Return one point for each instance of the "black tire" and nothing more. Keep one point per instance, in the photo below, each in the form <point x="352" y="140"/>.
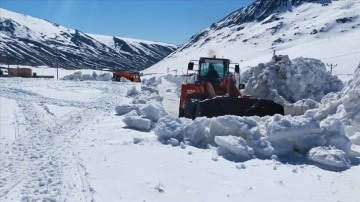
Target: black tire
<point x="191" y="103"/>
<point x="181" y="113"/>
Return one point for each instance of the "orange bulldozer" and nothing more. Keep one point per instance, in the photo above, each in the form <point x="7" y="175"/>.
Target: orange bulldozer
<point x="215" y="93"/>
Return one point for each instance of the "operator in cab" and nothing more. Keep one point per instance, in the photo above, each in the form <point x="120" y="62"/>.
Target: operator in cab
<point x="212" y="74"/>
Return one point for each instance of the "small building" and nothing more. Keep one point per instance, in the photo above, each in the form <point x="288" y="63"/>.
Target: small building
<point x="21" y="72"/>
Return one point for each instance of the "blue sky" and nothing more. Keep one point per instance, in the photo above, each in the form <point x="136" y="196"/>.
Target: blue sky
<point x="172" y="21"/>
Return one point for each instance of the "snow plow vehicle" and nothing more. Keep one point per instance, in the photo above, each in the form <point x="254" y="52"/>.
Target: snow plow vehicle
<point x="215" y="93"/>
<point x="131" y="76"/>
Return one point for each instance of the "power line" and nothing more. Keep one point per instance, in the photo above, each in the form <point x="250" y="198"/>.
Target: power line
<point x="344" y="74"/>
<point x="341" y="55"/>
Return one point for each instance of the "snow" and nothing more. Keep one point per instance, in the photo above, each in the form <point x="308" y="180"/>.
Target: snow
<point x="235" y="146"/>
<point x="286" y="82"/>
<point x="332" y="157"/>
<point x="282" y="135"/>
<point x="41" y="30"/>
<point x="153" y="111"/>
<point x="168" y="127"/>
<point x="79" y="76"/>
<point x="126" y="108"/>
<point x="355" y="138"/>
<point x="106" y="145"/>
<point x="337" y="45"/>
<point x="109" y="41"/>
<point x="133" y="120"/>
<point x="8" y="118"/>
<point x="89" y="139"/>
<point x="37" y="28"/>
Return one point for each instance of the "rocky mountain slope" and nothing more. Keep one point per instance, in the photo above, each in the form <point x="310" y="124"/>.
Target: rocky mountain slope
<point x="31" y="41"/>
<point x="322" y="29"/>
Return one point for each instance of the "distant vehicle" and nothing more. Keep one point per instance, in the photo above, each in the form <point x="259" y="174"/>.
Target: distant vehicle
<point x="131" y="76"/>
<point x="3" y="73"/>
<point x="20" y="72"/>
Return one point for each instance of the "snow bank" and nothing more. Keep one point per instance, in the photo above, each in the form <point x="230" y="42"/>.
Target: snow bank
<point x="134" y="121"/>
<point x="168" y="127"/>
<point x="178" y="80"/>
<point x="79" y="76"/>
<point x="324" y="134"/>
<point x="153" y="81"/>
<point x="148" y="92"/>
<point x="330" y="157"/>
<point x="243" y="138"/>
<point x="344" y="106"/>
<point x="287" y="134"/>
<point x="132" y="91"/>
<point x="146" y="107"/>
<point x="232" y="146"/>
<point x="287" y="82"/>
<point x="355" y="139"/>
<point x="126" y="108"/>
<point x="153" y="111"/>
<point x="327" y="134"/>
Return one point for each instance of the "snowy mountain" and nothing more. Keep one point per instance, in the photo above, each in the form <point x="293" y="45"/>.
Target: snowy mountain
<point x="321" y="29"/>
<point x="27" y="40"/>
<point x="97" y="140"/>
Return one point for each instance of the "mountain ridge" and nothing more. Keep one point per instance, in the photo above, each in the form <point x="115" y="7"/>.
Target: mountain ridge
<point x="32" y="41"/>
<point x="317" y="29"/>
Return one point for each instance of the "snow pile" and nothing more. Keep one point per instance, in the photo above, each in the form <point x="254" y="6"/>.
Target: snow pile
<point x="146" y="108"/>
<point x="153" y="81"/>
<point x="133" y="120"/>
<point x="178" y="80"/>
<point x="168" y="127"/>
<point x="344" y="106"/>
<point x="148" y="92"/>
<point x="243" y="138"/>
<point x="234" y="146"/>
<point x="286" y="81"/>
<point x="330" y="156"/>
<point x="79" y="76"/>
<point x="153" y="111"/>
<point x="142" y="116"/>
<point x="325" y="136"/>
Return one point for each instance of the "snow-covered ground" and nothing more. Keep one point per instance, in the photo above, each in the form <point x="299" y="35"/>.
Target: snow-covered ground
<point x="64" y="140"/>
<point x="85" y="138"/>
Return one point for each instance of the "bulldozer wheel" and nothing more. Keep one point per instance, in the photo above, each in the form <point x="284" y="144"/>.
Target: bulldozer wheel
<point x="191" y="104"/>
<point x="181" y="113"/>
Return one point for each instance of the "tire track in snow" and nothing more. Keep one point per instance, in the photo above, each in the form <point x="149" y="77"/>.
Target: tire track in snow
<point x="40" y="158"/>
<point x="42" y="165"/>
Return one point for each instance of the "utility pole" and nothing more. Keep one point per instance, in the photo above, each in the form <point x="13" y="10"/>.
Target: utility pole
<point x="8" y="60"/>
<point x="331" y="67"/>
<point x="57" y="65"/>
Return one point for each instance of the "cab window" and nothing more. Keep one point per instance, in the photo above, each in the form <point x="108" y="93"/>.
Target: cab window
<point x="204" y="69"/>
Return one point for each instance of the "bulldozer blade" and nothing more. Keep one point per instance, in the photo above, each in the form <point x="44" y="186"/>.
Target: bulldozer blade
<point x="221" y="106"/>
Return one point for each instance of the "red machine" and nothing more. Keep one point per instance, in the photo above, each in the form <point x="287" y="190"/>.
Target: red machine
<point x="215" y="93"/>
<point x="132" y="76"/>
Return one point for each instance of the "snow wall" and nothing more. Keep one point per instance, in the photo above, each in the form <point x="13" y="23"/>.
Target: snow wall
<point x="327" y="135"/>
<point x="79" y="76"/>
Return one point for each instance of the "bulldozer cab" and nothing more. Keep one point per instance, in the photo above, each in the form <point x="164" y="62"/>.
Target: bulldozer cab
<point x="208" y="67"/>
